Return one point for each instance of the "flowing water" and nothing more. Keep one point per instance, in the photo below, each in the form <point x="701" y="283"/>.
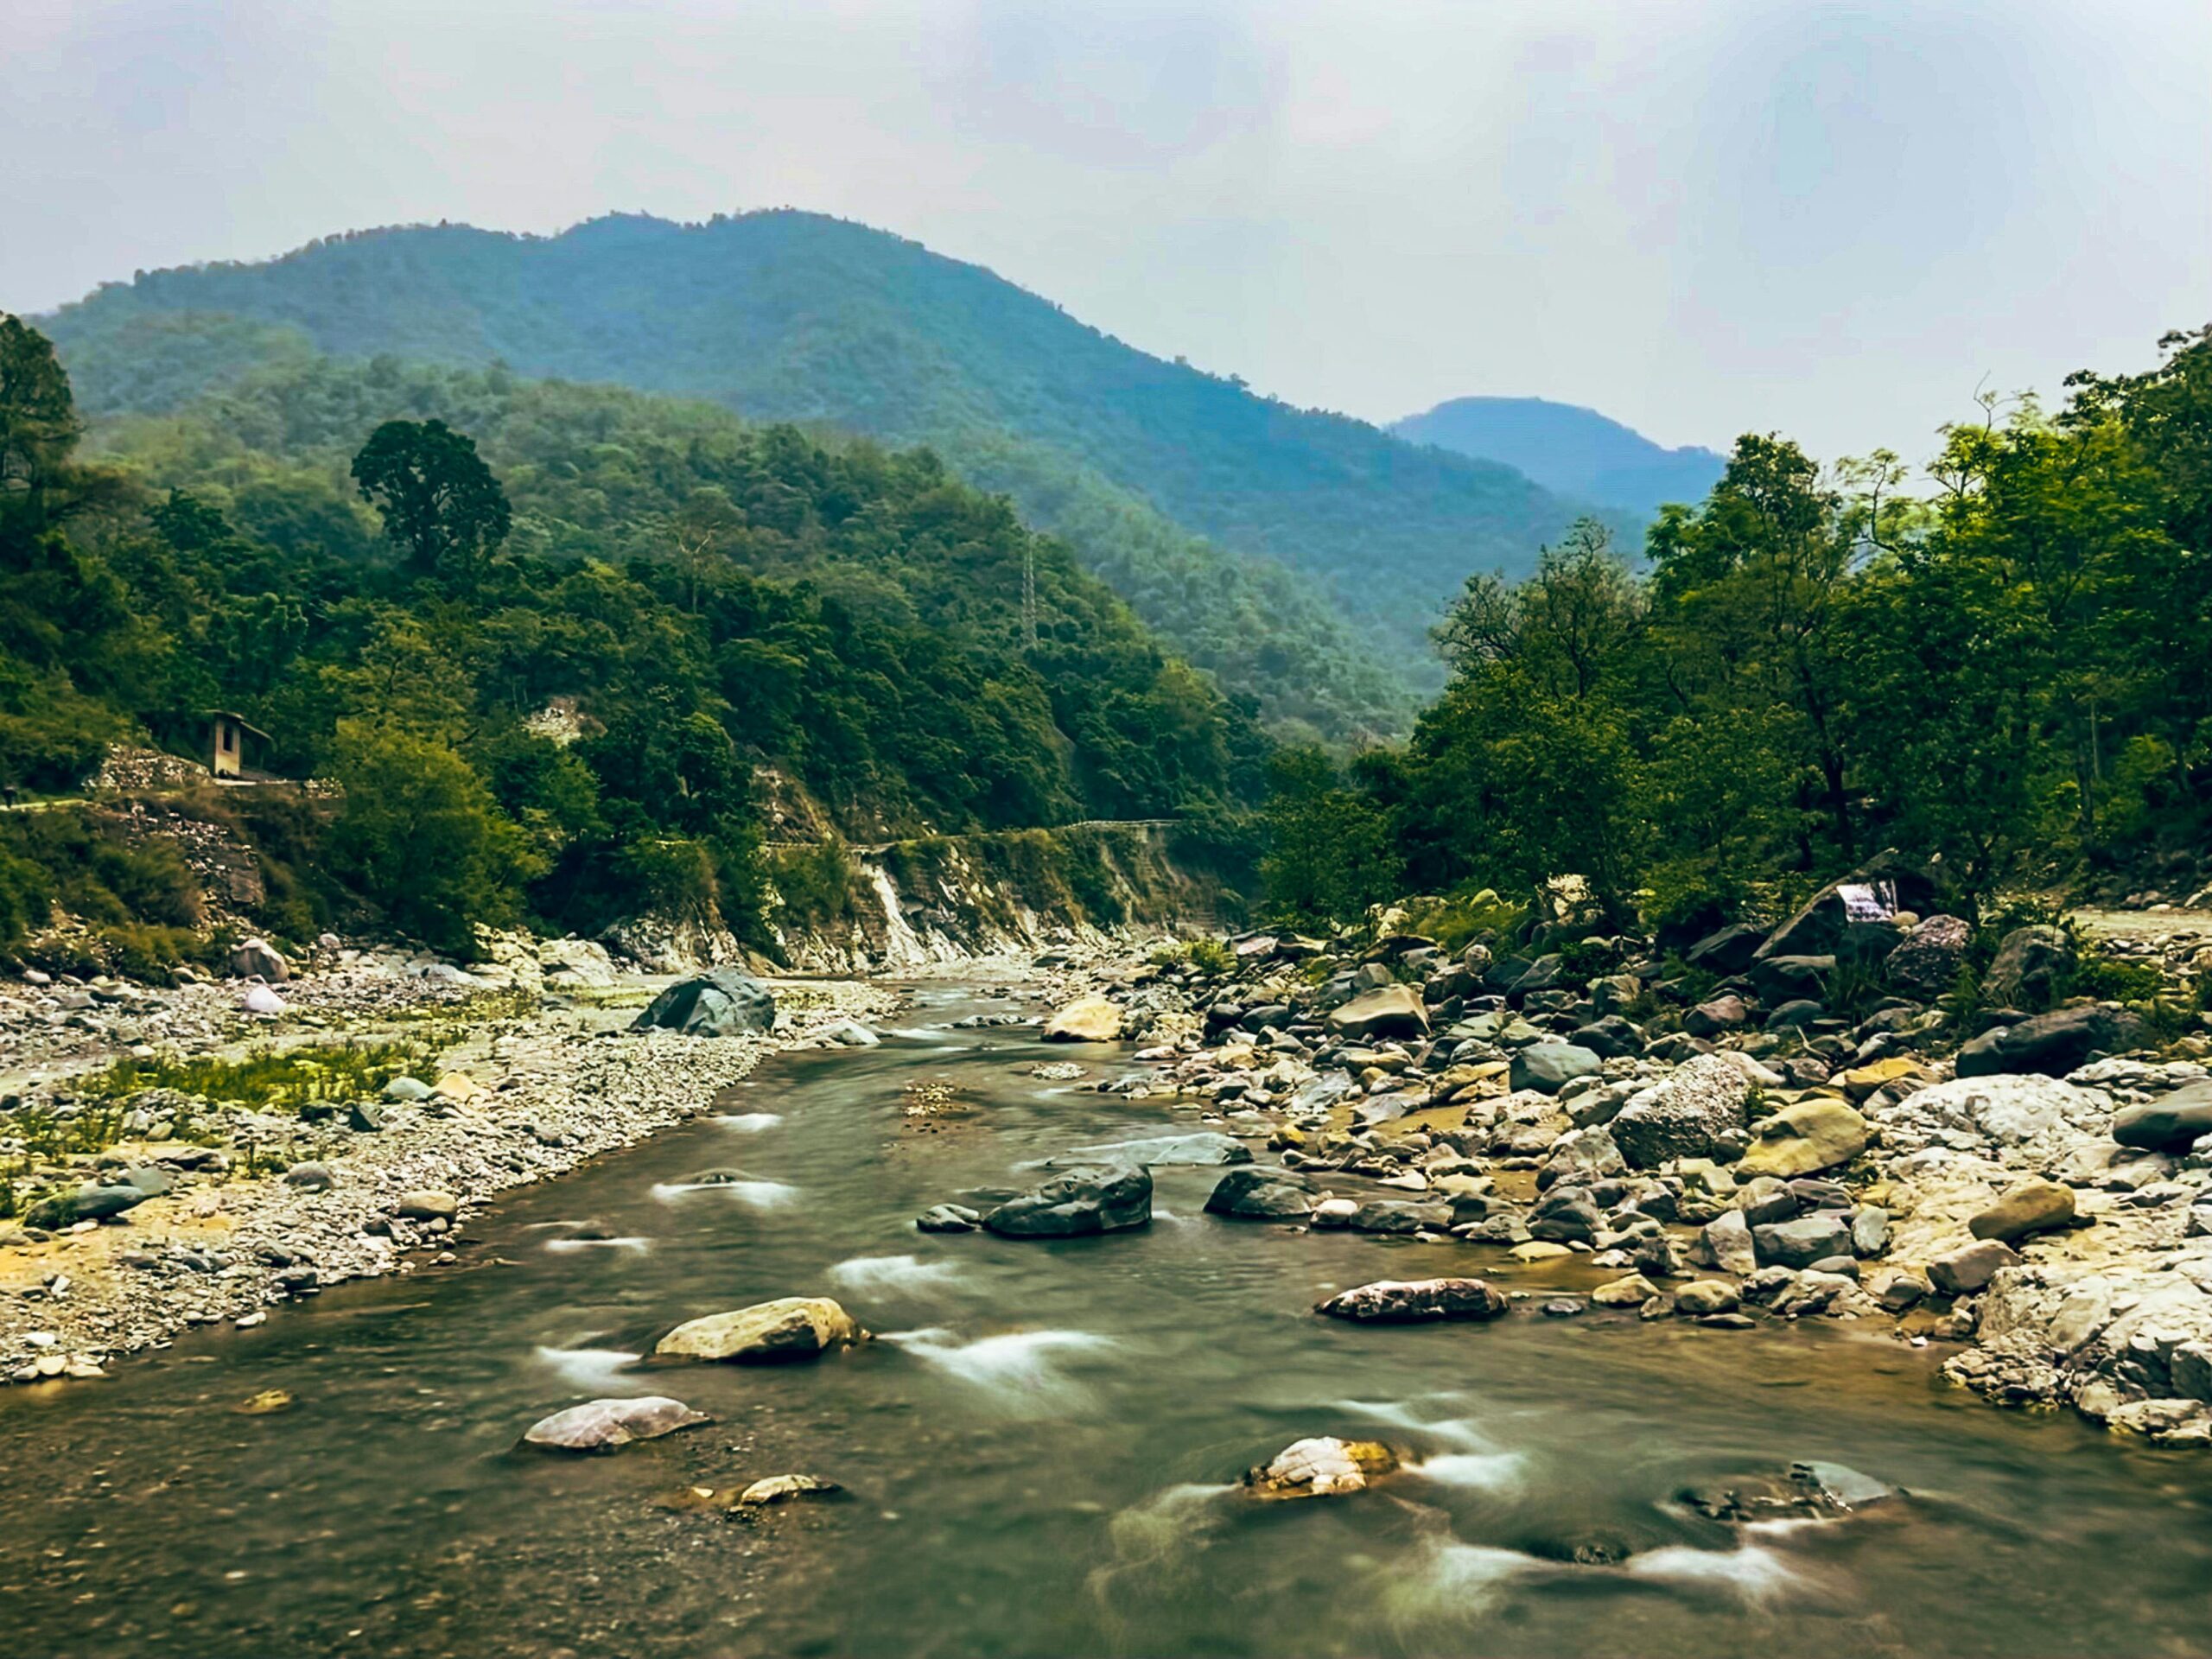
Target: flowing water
<point x="1040" y="1450"/>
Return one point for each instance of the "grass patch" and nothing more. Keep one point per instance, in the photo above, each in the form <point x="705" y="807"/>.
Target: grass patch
<point x="272" y="1080"/>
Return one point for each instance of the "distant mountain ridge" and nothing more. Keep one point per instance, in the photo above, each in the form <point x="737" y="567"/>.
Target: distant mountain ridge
<point x="1569" y="449"/>
<point x="1343" y="543"/>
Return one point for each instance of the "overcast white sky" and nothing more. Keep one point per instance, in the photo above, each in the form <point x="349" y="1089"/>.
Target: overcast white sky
<point x="1834" y="220"/>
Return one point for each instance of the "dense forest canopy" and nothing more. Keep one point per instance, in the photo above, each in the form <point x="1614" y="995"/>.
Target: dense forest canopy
<point x="391" y="568"/>
<point x="2007" y="665"/>
<point x="1329" y="546"/>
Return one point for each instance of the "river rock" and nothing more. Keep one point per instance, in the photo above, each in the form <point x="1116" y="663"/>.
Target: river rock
<point x="1703" y="1296"/>
<point x="1580" y="1157"/>
<point x="1727" y="1242"/>
<point x="1696" y="1113"/>
<point x="1549" y="1067"/>
<point x="1399" y="1215"/>
<point x="407" y="1089"/>
<point x="1926" y="961"/>
<point x="1086" y="1020"/>
<point x="259" y="998"/>
<point x="1197" y="1149"/>
<point x="1813" y="1134"/>
<point x="1333" y="1214"/>
<point x="2172" y="1123"/>
<point x="89" y="1202"/>
<point x="949" y="1219"/>
<point x="609" y="1425"/>
<point x="790" y="1327"/>
<point x="1106" y="1199"/>
<point x="257" y="958"/>
<point x="780" y="1488"/>
<point x="1387" y="1011"/>
<point x="1802" y="1243"/>
<point x="2052" y="1044"/>
<point x="1806" y="1490"/>
<point x="1261" y="1192"/>
<point x="1727" y="952"/>
<point x="2032" y="1207"/>
<point x="1971" y="1267"/>
<point x="2026" y="1118"/>
<point x="850" y="1034"/>
<point x="2031" y="968"/>
<point x="723" y="1003"/>
<point x="1407" y="1301"/>
<point x="1717" y="1017"/>
<point x="427" y="1204"/>
<point x="1633" y="1291"/>
<point x="1322" y="1467"/>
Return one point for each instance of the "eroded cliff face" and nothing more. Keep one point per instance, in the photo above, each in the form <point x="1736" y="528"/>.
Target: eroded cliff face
<point x="943" y="898"/>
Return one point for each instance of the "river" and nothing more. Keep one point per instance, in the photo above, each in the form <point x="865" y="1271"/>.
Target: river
<point x="1039" y="1448"/>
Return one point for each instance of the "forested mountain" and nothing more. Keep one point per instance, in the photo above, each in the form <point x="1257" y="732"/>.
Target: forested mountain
<point x="2000" y="664"/>
<point x="324" y="548"/>
<point x="1576" y="451"/>
<point x="791" y="316"/>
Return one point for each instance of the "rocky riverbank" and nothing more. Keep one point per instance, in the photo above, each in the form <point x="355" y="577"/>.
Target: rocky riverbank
<point x="163" y="1210"/>
<point x="1823" y="1120"/>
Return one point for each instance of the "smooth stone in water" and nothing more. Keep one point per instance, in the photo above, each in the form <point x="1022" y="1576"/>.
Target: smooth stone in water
<point x="1086" y="1020"/>
<point x="1261" y="1192"/>
<point x="609" y="1425"/>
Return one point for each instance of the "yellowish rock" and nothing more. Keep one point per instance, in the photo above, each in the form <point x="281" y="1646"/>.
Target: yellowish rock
<point x="1538" y="1249"/>
<point x="1862" y="1081"/>
<point x="790" y="1327"/>
<point x="1801" y="1140"/>
<point x="459" y="1088"/>
<point x="1632" y="1292"/>
<point x="1321" y="1467"/>
<point x="1086" y="1020"/>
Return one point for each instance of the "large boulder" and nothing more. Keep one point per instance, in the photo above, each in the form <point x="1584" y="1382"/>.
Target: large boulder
<point x="1717" y="1017"/>
<point x="1927" y="960"/>
<point x="1726" y="1243"/>
<point x="1696" y="1113"/>
<point x="1086" y="1020"/>
<point x="1971" y="1267"/>
<point x="2017" y="1119"/>
<point x="1321" y="1467"/>
<point x="1727" y="952"/>
<point x="257" y="958"/>
<point x="1261" y="1192"/>
<point x="1803" y="1139"/>
<point x="1406" y="1301"/>
<point x="1791" y="979"/>
<point x="91" y="1201"/>
<point x="723" y="1003"/>
<point x="1386" y="1011"/>
<point x="1850" y="917"/>
<point x="2052" y="1044"/>
<point x="609" y="1425"/>
<point x="2172" y="1122"/>
<point x="2031" y="968"/>
<point x="1111" y="1198"/>
<point x="1549" y="1067"/>
<point x="790" y="1327"/>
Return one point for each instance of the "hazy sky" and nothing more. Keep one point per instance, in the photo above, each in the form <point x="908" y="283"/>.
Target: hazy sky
<point x="1833" y="219"/>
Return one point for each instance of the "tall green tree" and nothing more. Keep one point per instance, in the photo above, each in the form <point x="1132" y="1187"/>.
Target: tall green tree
<point x="439" y="502"/>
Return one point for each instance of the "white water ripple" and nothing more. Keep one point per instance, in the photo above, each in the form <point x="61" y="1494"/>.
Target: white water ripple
<point x="761" y="1195"/>
<point x="749" y="1122"/>
<point x="884" y="1274"/>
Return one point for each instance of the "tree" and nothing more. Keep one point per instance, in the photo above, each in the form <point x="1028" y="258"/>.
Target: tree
<point x="439" y="502"/>
<point x="422" y="839"/>
<point x="39" y="428"/>
<point x="1328" y="853"/>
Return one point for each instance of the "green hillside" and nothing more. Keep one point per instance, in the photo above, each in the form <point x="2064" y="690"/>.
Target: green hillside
<point x="1566" y="447"/>
<point x="707" y="595"/>
<point x="791" y="316"/>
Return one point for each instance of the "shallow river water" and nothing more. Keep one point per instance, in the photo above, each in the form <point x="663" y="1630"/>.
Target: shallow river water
<point x="1039" y="1448"/>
